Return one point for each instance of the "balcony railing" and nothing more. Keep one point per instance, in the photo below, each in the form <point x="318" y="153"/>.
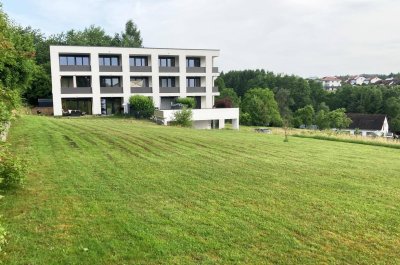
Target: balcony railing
<point x="195" y="89"/>
<point x="195" y="69"/>
<point x="215" y="89"/>
<point x="111" y="90"/>
<point x="141" y="90"/>
<point x="169" y="89"/>
<point x="76" y="90"/>
<point x="75" y="68"/>
<point x="215" y="70"/>
<point x="110" y="68"/>
<point x="172" y="69"/>
<point x="140" y="69"/>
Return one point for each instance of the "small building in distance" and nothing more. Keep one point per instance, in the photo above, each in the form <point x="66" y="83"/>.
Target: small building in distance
<point x="331" y="83"/>
<point x="368" y="124"/>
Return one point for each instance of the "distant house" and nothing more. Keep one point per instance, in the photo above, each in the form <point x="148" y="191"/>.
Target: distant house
<point x="374" y="80"/>
<point x="331" y="83"/>
<point x="356" y="80"/>
<point x="368" y="124"/>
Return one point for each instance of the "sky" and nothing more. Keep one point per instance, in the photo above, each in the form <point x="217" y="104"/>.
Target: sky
<point x="301" y="37"/>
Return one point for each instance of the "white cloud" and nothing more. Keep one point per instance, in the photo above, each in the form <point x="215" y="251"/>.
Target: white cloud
<point x="305" y="37"/>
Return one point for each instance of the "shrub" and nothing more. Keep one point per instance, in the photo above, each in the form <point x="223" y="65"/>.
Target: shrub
<point x="2" y="237"/>
<point x="188" y="102"/>
<point x="245" y="118"/>
<point x="223" y="103"/>
<point x="183" y="118"/>
<point x="141" y="107"/>
<point x="12" y="170"/>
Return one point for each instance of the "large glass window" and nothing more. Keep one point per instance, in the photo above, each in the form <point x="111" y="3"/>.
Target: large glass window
<point x="166" y="61"/>
<point x="109" y="60"/>
<point x="67" y="81"/>
<point x="193" y="82"/>
<point x="139" y="82"/>
<point x="167" y="81"/>
<point x="74" y="60"/>
<point x="83" y="81"/>
<point x="138" y="61"/>
<point x="110" y="81"/>
<point x="192" y="62"/>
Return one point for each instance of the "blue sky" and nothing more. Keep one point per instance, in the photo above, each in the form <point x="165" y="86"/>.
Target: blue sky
<point x="303" y="37"/>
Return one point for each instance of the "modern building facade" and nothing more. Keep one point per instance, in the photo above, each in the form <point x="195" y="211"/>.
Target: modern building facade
<point x="100" y="81"/>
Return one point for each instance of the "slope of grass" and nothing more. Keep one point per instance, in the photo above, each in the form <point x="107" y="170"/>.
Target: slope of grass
<point x="115" y="191"/>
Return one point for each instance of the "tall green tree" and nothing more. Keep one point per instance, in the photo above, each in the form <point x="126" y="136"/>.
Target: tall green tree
<point x="231" y="95"/>
<point x="131" y="37"/>
<point x="260" y="105"/>
<point x="304" y="116"/>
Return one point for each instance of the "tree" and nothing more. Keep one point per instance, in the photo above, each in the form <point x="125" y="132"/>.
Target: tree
<point x="392" y="107"/>
<point x="131" y="37"/>
<point x="322" y="119"/>
<point x="338" y="119"/>
<point x="284" y="102"/>
<point x="260" y="104"/>
<point x="394" y="124"/>
<point x="304" y="116"/>
<point x="231" y="95"/>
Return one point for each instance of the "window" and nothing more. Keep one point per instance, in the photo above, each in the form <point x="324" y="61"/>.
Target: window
<point x="109" y="60"/>
<point x="74" y="60"/>
<point x="166" y="61"/>
<point x="192" y="62"/>
<point x="167" y="81"/>
<point x="83" y="81"/>
<point x="193" y="82"/>
<point x="138" y="61"/>
<point x="110" y="81"/>
<point x="67" y="81"/>
<point x="139" y="82"/>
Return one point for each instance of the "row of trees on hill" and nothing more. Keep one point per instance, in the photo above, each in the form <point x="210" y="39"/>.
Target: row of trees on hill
<point x="292" y="94"/>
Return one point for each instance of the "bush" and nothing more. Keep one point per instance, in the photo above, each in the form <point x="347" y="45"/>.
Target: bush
<point x="245" y="118"/>
<point x="2" y="237"/>
<point x="188" y="102"/>
<point x="183" y="118"/>
<point x="223" y="103"/>
<point x="141" y="107"/>
<point x="12" y="170"/>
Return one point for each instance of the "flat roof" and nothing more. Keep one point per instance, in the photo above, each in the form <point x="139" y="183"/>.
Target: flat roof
<point x="153" y="48"/>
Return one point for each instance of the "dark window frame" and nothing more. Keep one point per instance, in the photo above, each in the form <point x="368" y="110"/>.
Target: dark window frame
<point x="169" y="81"/>
<point x="138" y="61"/>
<point x="193" y="82"/>
<point x="73" y="59"/>
<point x="166" y="61"/>
<point x="108" y="60"/>
<point x="196" y="62"/>
<point x="111" y="81"/>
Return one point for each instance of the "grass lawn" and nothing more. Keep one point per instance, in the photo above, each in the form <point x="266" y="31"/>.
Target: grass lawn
<point x="118" y="191"/>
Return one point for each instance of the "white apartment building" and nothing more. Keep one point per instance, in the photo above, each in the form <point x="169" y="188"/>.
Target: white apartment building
<point x="100" y="81"/>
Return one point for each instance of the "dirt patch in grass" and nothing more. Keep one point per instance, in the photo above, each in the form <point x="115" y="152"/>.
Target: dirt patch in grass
<point x="71" y="142"/>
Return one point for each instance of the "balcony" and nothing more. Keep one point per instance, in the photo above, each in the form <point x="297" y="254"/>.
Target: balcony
<point x="140" y="69"/>
<point x="215" y="89"/>
<point x="141" y="90"/>
<point x="195" y="89"/>
<point x="172" y="69"/>
<point x="215" y="70"/>
<point x="75" y="68"/>
<point x="76" y="90"/>
<point x="111" y="90"/>
<point x="169" y="89"/>
<point x="195" y="69"/>
<point x="110" y="68"/>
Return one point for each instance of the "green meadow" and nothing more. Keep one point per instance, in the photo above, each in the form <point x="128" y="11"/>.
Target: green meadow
<point x="121" y="191"/>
